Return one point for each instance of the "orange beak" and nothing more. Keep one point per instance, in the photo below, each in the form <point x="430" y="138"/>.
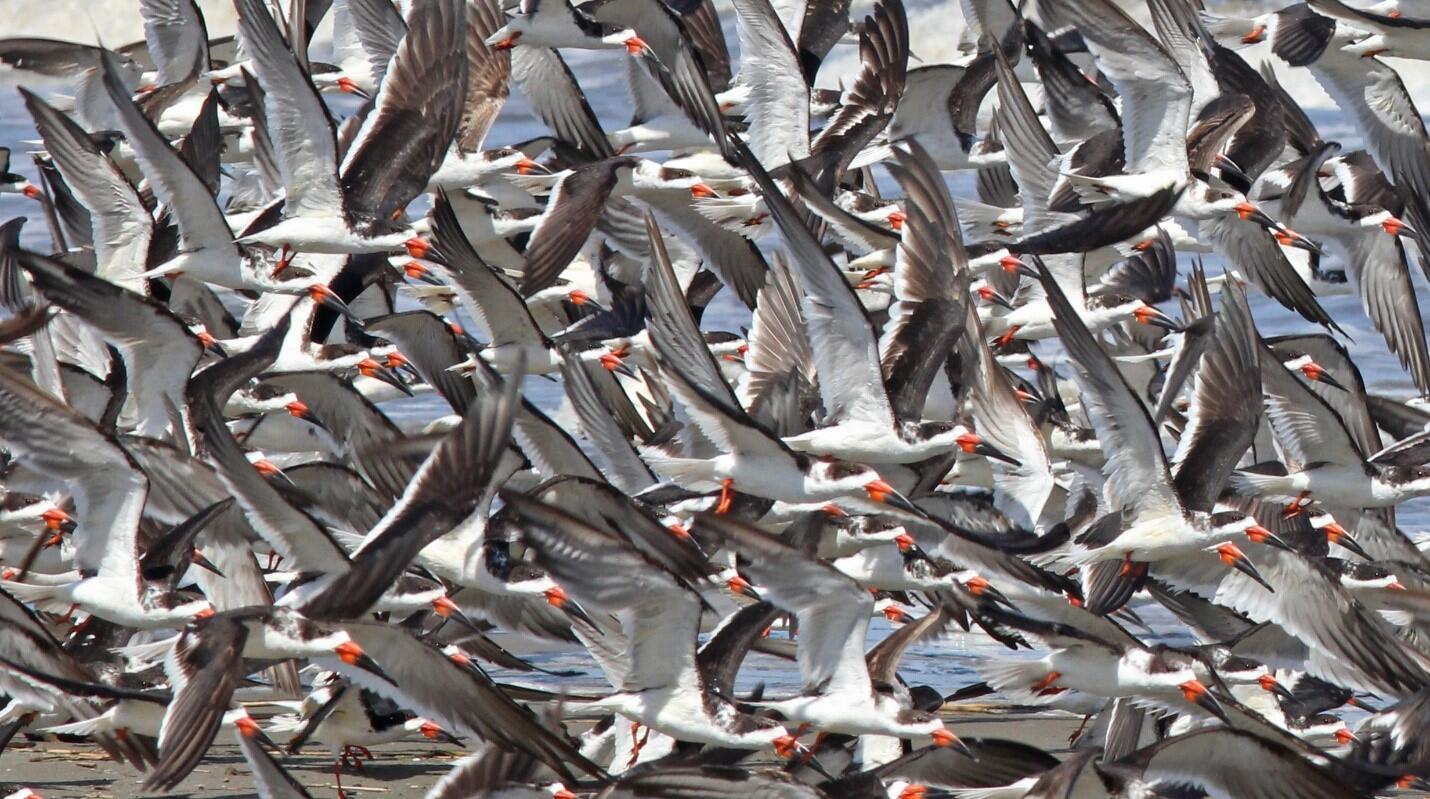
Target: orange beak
<point x="348" y="652"/>
<point x="526" y="166"/>
<point x="556" y="596"/>
<point x="1257" y="533"/>
<point x="968" y="442"/>
<point x="897" y="220"/>
<point x="55" y="518"/>
<point x="879" y="490"/>
<point x="894" y="613"/>
<point x="977" y="585"/>
<point x="297" y="408"/>
<point x="700" y="191"/>
<point x="319" y="293"/>
<point x="1256" y="35"/>
<point x="578" y="297"/>
<point x="738" y="584"/>
<point x="266" y="467"/>
<point x="1245" y="210"/>
<point x="414" y="270"/>
<point x="204" y="614"/>
<point x="367" y="367"/>
<point x="430" y="730"/>
<point x="786" y="746"/>
<point x="347" y="85"/>
<point x="1393" y="226"/>
<point x="679" y="531"/>
<point x="944" y="737"/>
<point x="914" y="791"/>
<point x="32" y="191"/>
<point x="1345" y="737"/>
<point x="1230" y="554"/>
<point x="507" y="43"/>
<point x="905" y="542"/>
<point x="444" y="606"/>
<point x="247" y="727"/>
<point x="416" y="247"/>
<point x="1193" y="690"/>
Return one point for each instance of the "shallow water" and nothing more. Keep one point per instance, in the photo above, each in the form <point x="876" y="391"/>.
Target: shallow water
<point x="945" y="663"/>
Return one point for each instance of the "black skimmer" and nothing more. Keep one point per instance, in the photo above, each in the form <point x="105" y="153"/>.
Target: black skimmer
<point x="557" y="23"/>
<point x="1326" y="461"/>
<point x="205" y="665"/>
<point x="348" y="720"/>
<point x="365" y="37"/>
<point x="15" y="183"/>
<point x="865" y="414"/>
<point x="31" y="652"/>
<point x="661" y="685"/>
<point x="838" y="694"/>
<point x="577" y="201"/>
<point x="1361" y="84"/>
<point x="349" y="206"/>
<point x="194" y="417"/>
<point x="110" y="491"/>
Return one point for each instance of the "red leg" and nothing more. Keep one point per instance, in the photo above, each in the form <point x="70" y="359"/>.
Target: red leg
<point x="637" y="744"/>
<point x="338" y="774"/>
<point x="1078" y="733"/>
<point x="727" y="497"/>
<point x="1297" y="506"/>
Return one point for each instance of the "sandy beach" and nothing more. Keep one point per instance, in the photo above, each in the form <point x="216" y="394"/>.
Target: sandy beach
<point x="401" y="770"/>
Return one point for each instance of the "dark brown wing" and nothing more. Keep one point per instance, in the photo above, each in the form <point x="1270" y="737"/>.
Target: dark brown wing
<point x="703" y="24"/>
<point x="488" y="75"/>
<point x="205" y="669"/>
<point x="445" y="490"/>
<point x="1219" y="120"/>
<point x="1226" y="406"/>
<point x="931" y="285"/>
<point x="571" y="215"/>
<point x="870" y="102"/>
<point x="418" y="109"/>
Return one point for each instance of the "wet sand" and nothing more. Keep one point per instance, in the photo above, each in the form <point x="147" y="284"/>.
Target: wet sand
<point x="403" y="770"/>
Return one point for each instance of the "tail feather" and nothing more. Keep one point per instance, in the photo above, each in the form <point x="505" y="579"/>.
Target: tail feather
<point x="694" y="474"/>
<point x="48" y="598"/>
<point x="1228" y="31"/>
<point x="1255" y="484"/>
<point x="1013" y="679"/>
<point x="82" y="727"/>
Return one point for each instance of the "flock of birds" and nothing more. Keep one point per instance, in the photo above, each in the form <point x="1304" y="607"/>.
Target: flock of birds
<point x="954" y="413"/>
